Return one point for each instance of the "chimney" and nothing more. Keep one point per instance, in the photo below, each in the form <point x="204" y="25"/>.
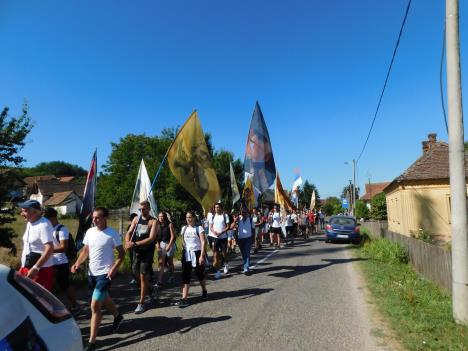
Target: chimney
<point x="425" y="148"/>
<point x="432" y="139"/>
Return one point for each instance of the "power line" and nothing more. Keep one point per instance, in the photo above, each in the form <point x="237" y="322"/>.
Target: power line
<point x="441" y="84"/>
<point x="386" y="80"/>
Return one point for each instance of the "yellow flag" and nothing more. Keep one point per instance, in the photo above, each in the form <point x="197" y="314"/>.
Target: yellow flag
<point x="248" y="195"/>
<point x="280" y="196"/>
<point x="190" y="162"/>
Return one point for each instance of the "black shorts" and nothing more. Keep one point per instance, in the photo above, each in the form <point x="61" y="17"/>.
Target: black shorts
<point x="210" y="241"/>
<point x="220" y="245"/>
<point x="187" y="269"/>
<point x="142" y="263"/>
<point x="62" y="275"/>
<point x="275" y="230"/>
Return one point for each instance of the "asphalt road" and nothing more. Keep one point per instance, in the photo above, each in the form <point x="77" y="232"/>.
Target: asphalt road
<point x="305" y="297"/>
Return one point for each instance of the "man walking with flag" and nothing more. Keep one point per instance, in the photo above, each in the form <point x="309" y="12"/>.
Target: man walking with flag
<point x="141" y="237"/>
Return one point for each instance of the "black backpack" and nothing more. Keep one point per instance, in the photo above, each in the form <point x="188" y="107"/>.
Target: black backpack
<point x="71" y="249"/>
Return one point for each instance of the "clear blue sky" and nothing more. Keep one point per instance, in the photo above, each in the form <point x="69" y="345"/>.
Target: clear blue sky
<point x="94" y="71"/>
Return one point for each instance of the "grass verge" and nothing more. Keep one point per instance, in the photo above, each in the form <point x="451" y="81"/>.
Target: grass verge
<point x="418" y="311"/>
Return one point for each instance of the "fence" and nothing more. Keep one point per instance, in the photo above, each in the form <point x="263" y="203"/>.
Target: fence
<point x="433" y="262"/>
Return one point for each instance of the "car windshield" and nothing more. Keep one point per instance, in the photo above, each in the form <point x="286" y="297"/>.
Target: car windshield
<point x="343" y="221"/>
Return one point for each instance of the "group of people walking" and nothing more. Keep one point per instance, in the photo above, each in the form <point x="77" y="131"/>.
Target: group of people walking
<point x="46" y="243"/>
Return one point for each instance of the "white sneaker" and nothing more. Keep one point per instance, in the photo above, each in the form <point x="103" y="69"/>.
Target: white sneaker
<point x="226" y="269"/>
<point x="217" y="275"/>
<point x="140" y="309"/>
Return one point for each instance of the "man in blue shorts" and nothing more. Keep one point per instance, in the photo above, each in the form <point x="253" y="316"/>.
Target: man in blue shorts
<point x="99" y="244"/>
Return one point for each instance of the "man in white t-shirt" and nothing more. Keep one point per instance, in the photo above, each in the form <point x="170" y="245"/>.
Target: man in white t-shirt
<point x="219" y="225"/>
<point x="36" y="260"/>
<point x="61" y="264"/>
<point x="99" y="244"/>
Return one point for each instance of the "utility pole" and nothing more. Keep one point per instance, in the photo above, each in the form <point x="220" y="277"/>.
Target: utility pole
<point x="354" y="188"/>
<point x="457" y="168"/>
<point x="350" y="194"/>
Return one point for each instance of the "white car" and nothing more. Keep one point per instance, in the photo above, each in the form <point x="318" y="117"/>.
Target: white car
<point x="32" y="318"/>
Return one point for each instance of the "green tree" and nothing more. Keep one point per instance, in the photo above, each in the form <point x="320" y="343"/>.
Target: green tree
<point x="361" y="210"/>
<point x="331" y="206"/>
<point x="57" y="168"/>
<point x="379" y="207"/>
<point x="13" y="132"/>
<point x="117" y="179"/>
<point x="305" y="194"/>
<point x="221" y="161"/>
<point x="347" y="190"/>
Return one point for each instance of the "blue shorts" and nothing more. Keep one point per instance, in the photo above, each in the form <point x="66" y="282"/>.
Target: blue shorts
<point x="99" y="286"/>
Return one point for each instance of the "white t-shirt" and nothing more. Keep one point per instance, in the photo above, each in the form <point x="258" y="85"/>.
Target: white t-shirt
<point x="192" y="241"/>
<point x="294" y="218"/>
<point x="276" y="218"/>
<point x="289" y="220"/>
<point x="63" y="234"/>
<point x="101" y="244"/>
<point x="36" y="235"/>
<point x="209" y="218"/>
<point x="245" y="228"/>
<point x="219" y="222"/>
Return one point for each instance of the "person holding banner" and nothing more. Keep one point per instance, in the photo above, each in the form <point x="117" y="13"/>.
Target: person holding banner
<point x="141" y="237"/>
<point x="258" y="224"/>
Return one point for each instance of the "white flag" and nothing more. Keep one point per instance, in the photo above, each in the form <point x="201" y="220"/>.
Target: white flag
<point x="297" y="183"/>
<point x="312" y="200"/>
<point x="235" y="189"/>
<point x="142" y="189"/>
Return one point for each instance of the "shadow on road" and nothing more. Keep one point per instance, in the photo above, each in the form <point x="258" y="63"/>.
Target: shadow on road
<point x="292" y="271"/>
<point x="242" y="294"/>
<point x="142" y="329"/>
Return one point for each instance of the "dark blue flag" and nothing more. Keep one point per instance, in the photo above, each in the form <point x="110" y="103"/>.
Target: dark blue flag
<point x="89" y="199"/>
<point x="259" y="161"/>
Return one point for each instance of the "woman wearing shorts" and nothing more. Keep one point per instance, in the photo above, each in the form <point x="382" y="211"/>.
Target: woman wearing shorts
<point x="166" y="247"/>
<point x="193" y="257"/>
<point x="275" y="228"/>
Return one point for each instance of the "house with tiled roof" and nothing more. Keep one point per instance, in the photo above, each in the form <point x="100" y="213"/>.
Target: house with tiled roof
<point x="52" y="191"/>
<point x="65" y="202"/>
<point x="373" y="189"/>
<point x="419" y="199"/>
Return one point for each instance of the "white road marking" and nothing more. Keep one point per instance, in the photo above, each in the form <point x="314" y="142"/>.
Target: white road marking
<point x="264" y="259"/>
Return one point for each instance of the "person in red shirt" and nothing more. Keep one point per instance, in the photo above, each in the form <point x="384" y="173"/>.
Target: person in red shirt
<point x="311" y="221"/>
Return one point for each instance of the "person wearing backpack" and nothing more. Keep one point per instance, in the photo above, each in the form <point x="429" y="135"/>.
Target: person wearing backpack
<point x="219" y="225"/>
<point x="193" y="257"/>
<point x="64" y="252"/>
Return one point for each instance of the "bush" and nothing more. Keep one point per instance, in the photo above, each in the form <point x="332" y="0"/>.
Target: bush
<point x="361" y="210"/>
<point x="379" y="207"/>
<point x="423" y="235"/>
<point x="365" y="236"/>
<point x="386" y="251"/>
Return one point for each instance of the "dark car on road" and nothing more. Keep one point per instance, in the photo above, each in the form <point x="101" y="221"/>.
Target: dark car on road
<point x="342" y="229"/>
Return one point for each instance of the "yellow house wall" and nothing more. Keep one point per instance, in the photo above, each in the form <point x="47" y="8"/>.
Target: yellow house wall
<point x="422" y="206"/>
